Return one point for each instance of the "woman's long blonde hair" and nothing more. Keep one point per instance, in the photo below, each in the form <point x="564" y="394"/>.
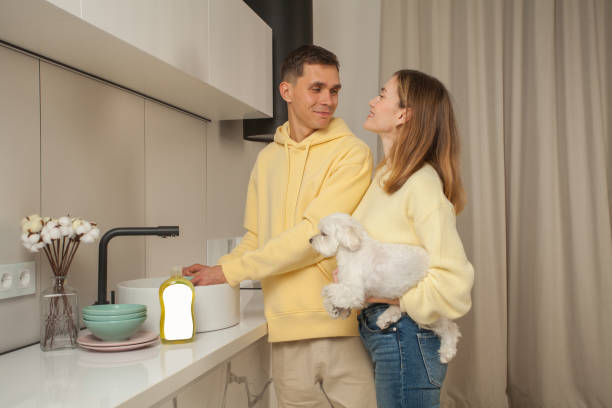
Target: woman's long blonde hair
<point x="430" y="136"/>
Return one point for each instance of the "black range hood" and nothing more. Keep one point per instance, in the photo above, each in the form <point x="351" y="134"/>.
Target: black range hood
<point x="291" y="23"/>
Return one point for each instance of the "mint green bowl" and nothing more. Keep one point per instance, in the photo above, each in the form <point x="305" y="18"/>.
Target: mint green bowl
<point x="113" y="310"/>
<point x="114" y="330"/>
<point x="95" y="318"/>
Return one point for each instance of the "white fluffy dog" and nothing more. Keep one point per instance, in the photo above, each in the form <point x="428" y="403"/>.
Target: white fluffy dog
<point x="369" y="268"/>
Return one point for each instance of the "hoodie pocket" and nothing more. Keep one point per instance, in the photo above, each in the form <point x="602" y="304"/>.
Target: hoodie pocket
<point x="297" y="291"/>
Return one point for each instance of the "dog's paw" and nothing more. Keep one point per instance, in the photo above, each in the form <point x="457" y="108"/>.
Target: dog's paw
<point x="342" y="296"/>
<point x="334" y="311"/>
<point x="331" y="309"/>
<point x="345" y="313"/>
<point x="327" y="291"/>
<point x="328" y="301"/>
<point x="339" y="313"/>
<point x="389" y="316"/>
<point x="384" y="322"/>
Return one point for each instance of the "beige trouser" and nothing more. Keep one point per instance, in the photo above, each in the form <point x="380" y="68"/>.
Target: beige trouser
<point x="330" y="372"/>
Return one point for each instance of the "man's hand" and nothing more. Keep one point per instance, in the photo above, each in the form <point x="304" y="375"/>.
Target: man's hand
<point x="205" y="275"/>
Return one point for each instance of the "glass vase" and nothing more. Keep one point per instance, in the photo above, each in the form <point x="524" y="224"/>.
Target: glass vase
<point x="59" y="316"/>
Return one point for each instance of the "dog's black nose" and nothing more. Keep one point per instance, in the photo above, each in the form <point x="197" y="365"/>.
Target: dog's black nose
<point x="310" y="240"/>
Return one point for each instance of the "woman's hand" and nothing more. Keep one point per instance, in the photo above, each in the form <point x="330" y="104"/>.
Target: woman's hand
<point x="380" y="300"/>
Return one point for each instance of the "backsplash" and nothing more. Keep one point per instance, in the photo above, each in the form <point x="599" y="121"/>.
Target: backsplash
<point x="74" y="145"/>
<point x="216" y="248"/>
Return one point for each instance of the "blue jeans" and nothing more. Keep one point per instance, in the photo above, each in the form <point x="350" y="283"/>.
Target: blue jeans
<point x="407" y="368"/>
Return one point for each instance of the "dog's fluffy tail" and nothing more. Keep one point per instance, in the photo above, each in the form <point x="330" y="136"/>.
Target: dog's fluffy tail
<point x="449" y="337"/>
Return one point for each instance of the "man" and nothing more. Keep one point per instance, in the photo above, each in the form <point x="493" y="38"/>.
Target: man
<point x="314" y="168"/>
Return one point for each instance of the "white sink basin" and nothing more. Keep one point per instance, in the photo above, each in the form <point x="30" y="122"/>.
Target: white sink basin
<point x="216" y="307"/>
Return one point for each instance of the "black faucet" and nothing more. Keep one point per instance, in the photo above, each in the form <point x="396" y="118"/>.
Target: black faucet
<point x="115" y="232"/>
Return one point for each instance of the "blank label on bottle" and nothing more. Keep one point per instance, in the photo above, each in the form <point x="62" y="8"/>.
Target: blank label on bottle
<point x="178" y="323"/>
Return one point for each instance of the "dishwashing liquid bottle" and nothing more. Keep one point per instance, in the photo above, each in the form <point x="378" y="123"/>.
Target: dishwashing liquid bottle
<point x="176" y="298"/>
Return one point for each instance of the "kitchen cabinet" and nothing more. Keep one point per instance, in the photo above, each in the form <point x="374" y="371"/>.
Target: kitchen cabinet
<point x="206" y="391"/>
<point x="241" y="382"/>
<point x="251" y="367"/>
<point x="166" y="404"/>
<point x="173" y="31"/>
<point x="241" y="53"/>
<point x="222" y="42"/>
<point x="19" y="182"/>
<point x="209" y="57"/>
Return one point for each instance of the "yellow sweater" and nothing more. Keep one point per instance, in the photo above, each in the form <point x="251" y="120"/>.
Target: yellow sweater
<point x="292" y="186"/>
<point x="420" y="214"/>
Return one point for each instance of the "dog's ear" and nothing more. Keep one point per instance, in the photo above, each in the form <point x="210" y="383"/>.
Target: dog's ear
<point x="348" y="238"/>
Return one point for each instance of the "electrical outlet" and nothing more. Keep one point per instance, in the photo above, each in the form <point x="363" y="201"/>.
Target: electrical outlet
<point x="6" y="281"/>
<point x="17" y="279"/>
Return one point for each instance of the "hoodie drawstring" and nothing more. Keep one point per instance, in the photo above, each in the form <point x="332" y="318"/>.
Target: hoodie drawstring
<point x="288" y="157"/>
<point x="304" y="165"/>
<point x="295" y="177"/>
<point x="293" y="192"/>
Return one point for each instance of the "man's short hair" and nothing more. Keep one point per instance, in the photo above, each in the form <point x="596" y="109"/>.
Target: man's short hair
<point x="293" y="65"/>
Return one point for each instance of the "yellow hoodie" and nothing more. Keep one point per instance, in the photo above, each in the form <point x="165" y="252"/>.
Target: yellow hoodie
<point x="420" y="214"/>
<point x="292" y="186"/>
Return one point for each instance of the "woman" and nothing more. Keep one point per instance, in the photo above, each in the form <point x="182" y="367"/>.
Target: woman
<point x="413" y="199"/>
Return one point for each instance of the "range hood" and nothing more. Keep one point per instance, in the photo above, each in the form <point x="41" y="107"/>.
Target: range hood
<point x="291" y="23"/>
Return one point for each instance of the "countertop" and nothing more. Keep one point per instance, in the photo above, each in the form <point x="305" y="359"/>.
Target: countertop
<point x="79" y="378"/>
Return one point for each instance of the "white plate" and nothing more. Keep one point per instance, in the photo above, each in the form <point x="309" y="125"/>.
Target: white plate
<point x="141" y="336"/>
<point x="116" y="359"/>
<point x="120" y="348"/>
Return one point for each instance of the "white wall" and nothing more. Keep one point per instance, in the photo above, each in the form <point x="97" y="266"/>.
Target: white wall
<point x="351" y="30"/>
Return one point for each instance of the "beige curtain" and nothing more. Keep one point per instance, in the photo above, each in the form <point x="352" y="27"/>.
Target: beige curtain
<point x="532" y="83"/>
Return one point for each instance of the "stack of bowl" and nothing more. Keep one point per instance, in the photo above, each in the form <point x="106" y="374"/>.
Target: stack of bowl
<point x="114" y="322"/>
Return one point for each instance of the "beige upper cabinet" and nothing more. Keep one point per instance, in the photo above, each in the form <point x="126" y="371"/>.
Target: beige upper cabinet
<point x="240" y="57"/>
<point x="176" y="32"/>
<point x="209" y="57"/>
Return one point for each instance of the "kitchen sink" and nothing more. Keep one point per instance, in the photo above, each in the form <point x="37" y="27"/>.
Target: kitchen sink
<point x="216" y="306"/>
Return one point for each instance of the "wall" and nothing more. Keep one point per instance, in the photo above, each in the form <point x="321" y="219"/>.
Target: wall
<point x="72" y="144"/>
<point x="351" y="29"/>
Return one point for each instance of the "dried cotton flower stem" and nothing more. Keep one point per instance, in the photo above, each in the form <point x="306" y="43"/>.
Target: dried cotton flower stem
<point x="50" y="258"/>
<point x="45" y="233"/>
<point x="71" y="256"/>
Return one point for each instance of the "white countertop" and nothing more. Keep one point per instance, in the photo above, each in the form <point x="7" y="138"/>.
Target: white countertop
<point x="79" y="378"/>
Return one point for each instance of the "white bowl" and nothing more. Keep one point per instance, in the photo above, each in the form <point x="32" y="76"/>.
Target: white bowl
<point x="216" y="307"/>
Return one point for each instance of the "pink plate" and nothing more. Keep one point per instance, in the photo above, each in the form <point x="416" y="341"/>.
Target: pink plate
<point x="120" y="348"/>
<point x="141" y="336"/>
